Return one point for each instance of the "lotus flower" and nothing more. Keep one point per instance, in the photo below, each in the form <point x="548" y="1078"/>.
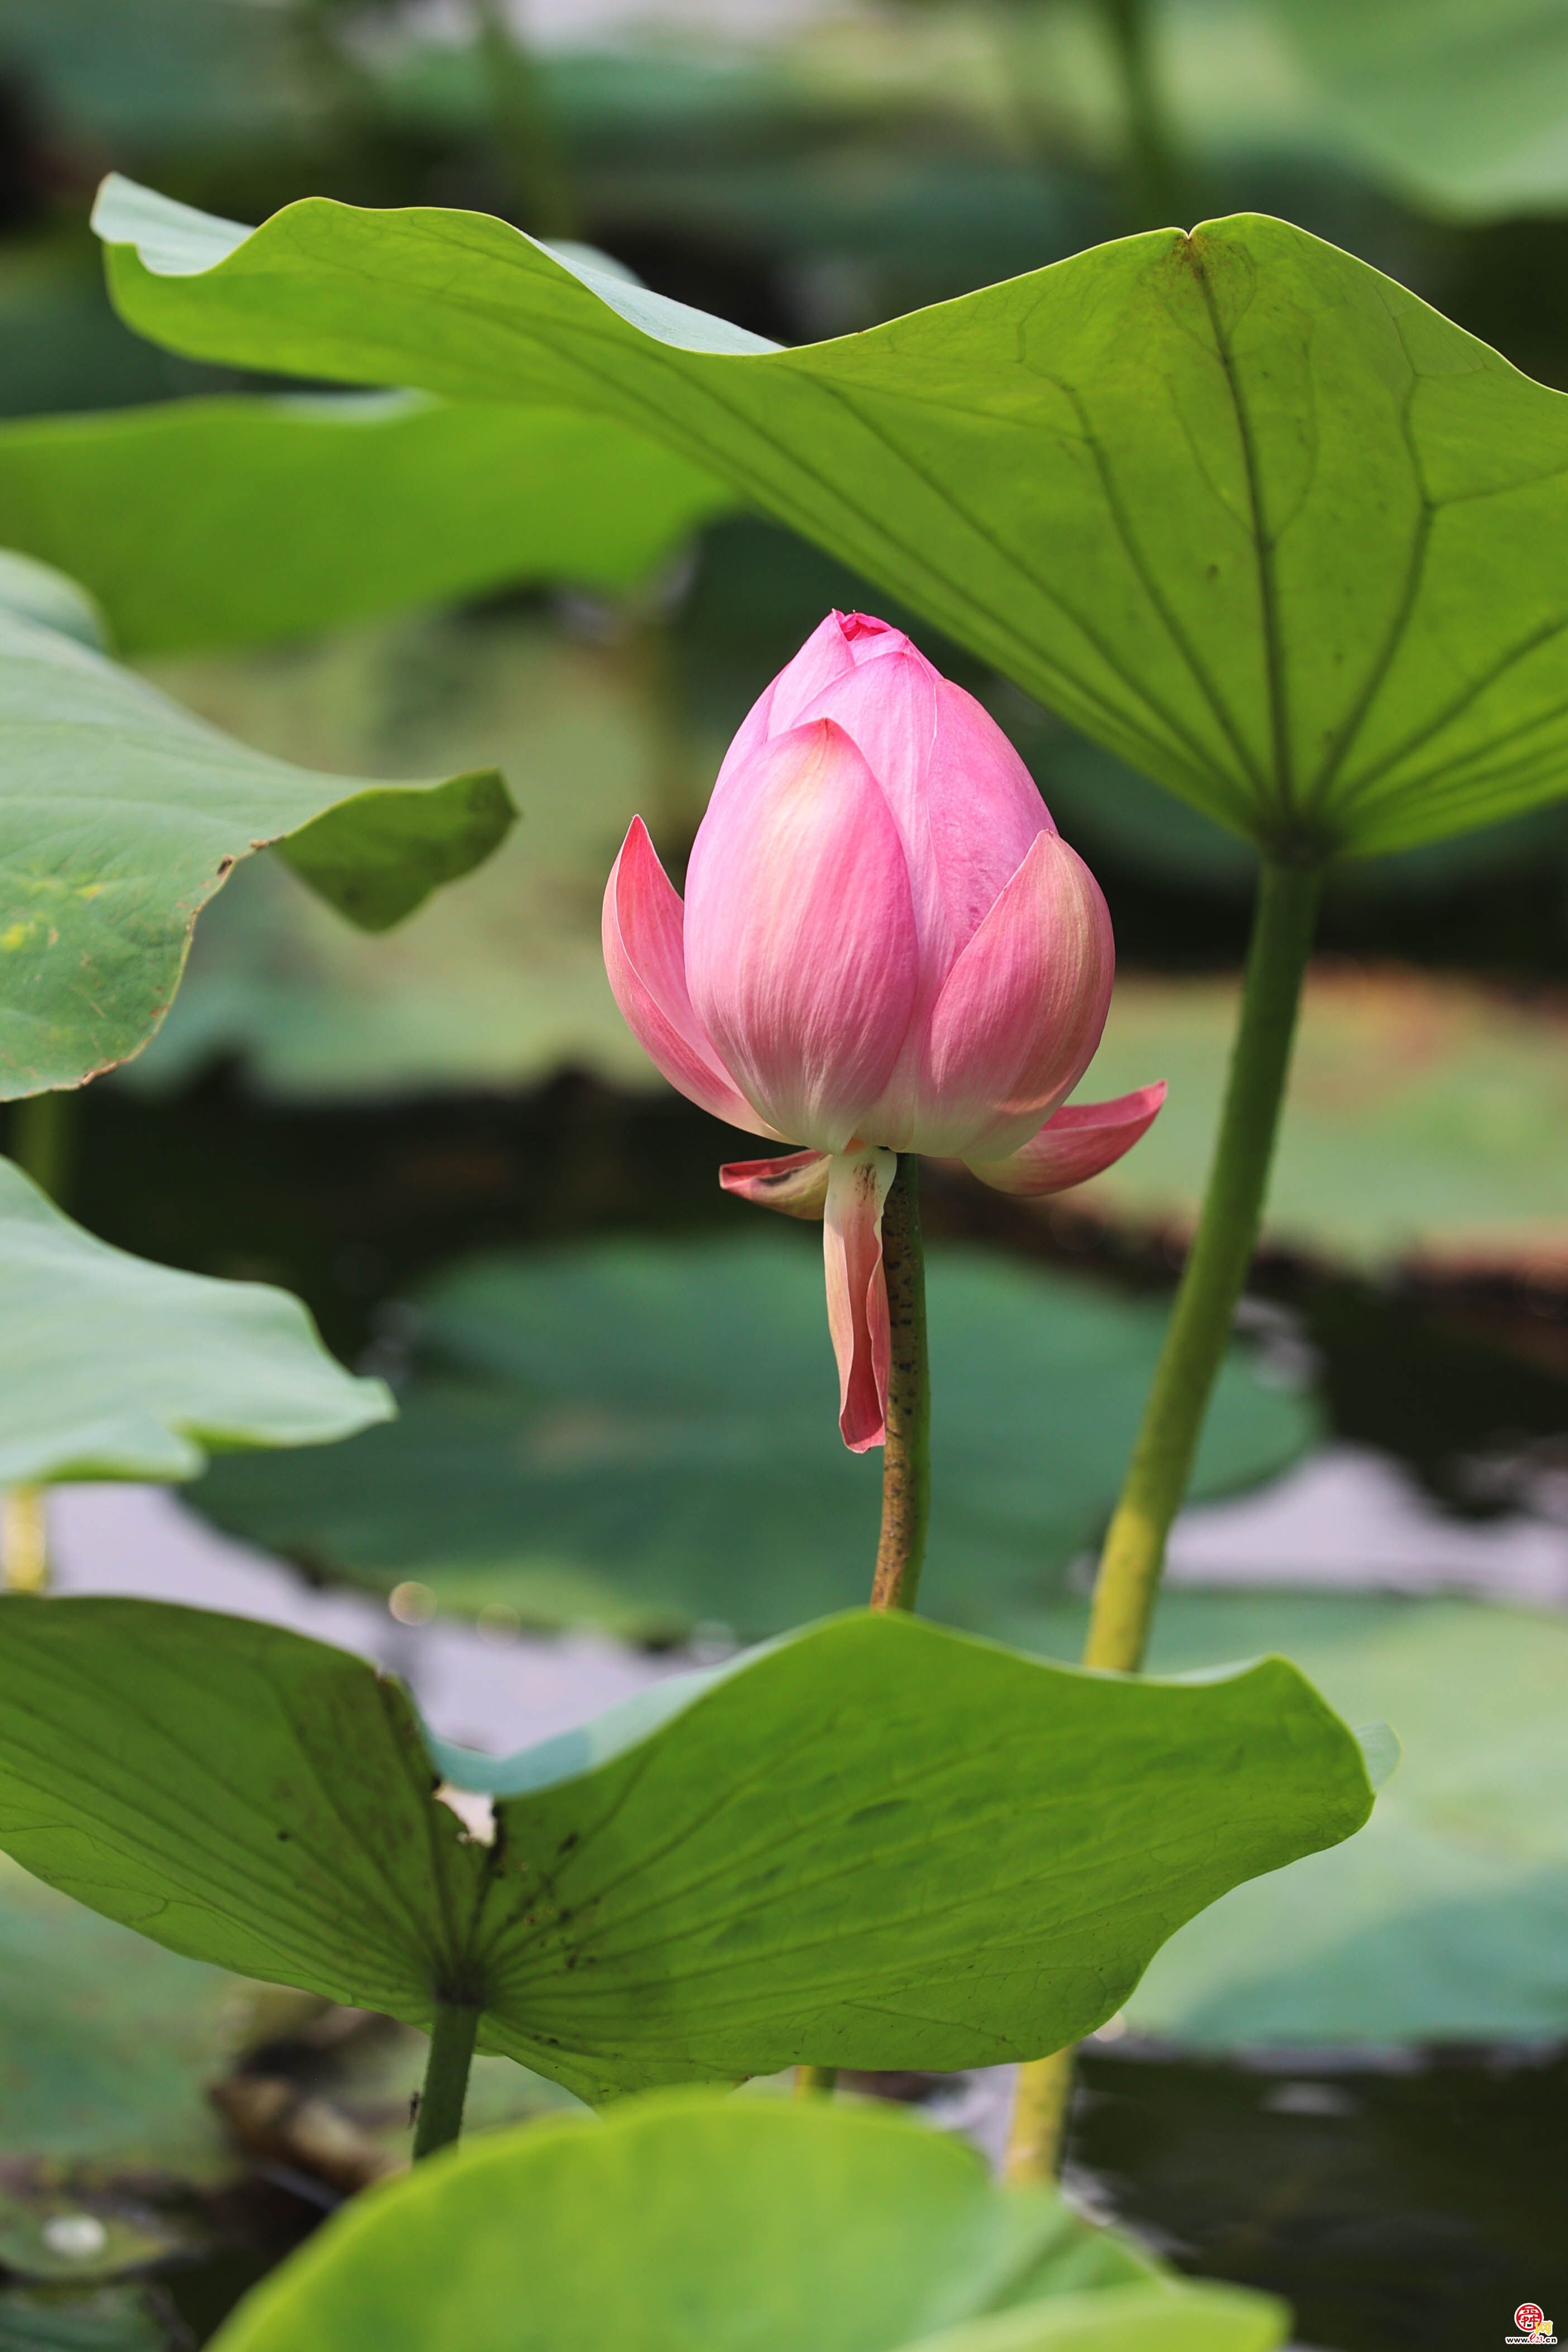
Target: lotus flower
<point x="885" y="947"/>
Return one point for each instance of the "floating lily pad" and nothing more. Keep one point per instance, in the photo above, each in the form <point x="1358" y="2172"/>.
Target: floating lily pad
<point x="107" y="2043"/>
<point x="109" y="2319"/>
<point x="643" y="1435"/>
<point x="1447" y="1918"/>
<point x="1427" y="1119"/>
<point x="53" y="2236"/>
<point x="114" y="1368"/>
<point x="739" y="2225"/>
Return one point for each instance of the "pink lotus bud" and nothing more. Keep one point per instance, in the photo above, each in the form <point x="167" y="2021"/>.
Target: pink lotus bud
<point x="885" y="946"/>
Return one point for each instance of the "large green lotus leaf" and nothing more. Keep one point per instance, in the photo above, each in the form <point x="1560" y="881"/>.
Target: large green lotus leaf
<point x="1463" y="103"/>
<point x="121" y="815"/>
<point x="107" y="2044"/>
<point x="740" y="2225"/>
<point x="1235" y="503"/>
<point x="1427" y="1119"/>
<point x="216" y="521"/>
<point x="105" y="2319"/>
<point x="112" y="1367"/>
<point x="499" y="984"/>
<point x="874" y="1843"/>
<point x="1448" y="1918"/>
<point x="1115" y="817"/>
<point x="643" y="1434"/>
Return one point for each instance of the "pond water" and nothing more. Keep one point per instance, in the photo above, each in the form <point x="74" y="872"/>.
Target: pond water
<point x="1396" y="2198"/>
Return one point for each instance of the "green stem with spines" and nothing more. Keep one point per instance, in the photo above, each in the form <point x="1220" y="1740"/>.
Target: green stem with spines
<point x="906" y="1454"/>
<point x="1197" y="1338"/>
<point x="440" y="2117"/>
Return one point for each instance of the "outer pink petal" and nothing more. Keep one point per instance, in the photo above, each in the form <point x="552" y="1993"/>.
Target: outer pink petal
<point x="1073" y="1144"/>
<point x="800" y="937"/>
<point x="857" y="1292"/>
<point x="796" y="1187"/>
<point x="645" y="963"/>
<point x="1017" y="1022"/>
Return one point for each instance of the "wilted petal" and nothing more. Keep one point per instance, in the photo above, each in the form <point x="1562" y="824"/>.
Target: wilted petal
<point x="1075" y="1143"/>
<point x="1016" y="1025"/>
<point x="800" y="937"/>
<point x="858" y="1185"/>
<point x="645" y="963"/>
<point x="796" y="1187"/>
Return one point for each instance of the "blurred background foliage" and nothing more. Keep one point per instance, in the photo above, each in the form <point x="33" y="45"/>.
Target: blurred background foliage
<point x="445" y="1140"/>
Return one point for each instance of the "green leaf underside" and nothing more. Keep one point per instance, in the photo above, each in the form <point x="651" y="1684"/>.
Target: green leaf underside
<point x="226" y="522"/>
<point x="751" y="2225"/>
<point x="1427" y="1119"/>
<point x="120" y="816"/>
<point x="112" y="1367"/>
<point x="498" y="983"/>
<point x="641" y="1435"/>
<point x="1447" y="1920"/>
<point x="1239" y="506"/>
<point x="875" y="1843"/>
<point x="107" y="2041"/>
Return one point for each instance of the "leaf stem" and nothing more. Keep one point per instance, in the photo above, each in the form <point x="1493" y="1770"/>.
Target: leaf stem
<point x="906" y="1456"/>
<point x="41" y="1137"/>
<point x="1200" y="1325"/>
<point x="39" y="1134"/>
<point x="1195" y="1342"/>
<point x="1039" y="2118"/>
<point x="440" y="2119"/>
<point x="523" y="125"/>
<point x="1154" y="180"/>
<point x="815" y="2082"/>
<point x="23" y="1541"/>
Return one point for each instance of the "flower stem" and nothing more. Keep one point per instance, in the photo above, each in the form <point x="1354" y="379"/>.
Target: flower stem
<point x="906" y="1456"/>
<point x="1195" y="1342"/>
<point x="440" y="2119"/>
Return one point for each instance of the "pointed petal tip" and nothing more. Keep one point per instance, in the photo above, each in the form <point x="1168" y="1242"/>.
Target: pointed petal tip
<point x="643" y="930"/>
<point x="1079" y="1141"/>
